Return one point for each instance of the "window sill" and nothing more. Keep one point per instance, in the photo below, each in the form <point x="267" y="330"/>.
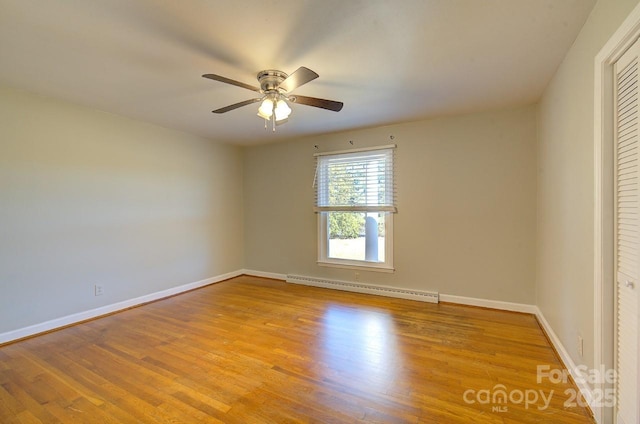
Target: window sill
<point x="357" y="266"/>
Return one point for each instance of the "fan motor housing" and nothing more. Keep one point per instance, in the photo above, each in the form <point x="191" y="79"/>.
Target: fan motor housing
<point x="271" y="79"/>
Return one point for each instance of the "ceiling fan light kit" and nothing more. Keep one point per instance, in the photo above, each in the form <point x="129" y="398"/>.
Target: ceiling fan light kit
<point x="275" y="87"/>
<point x="274" y="108"/>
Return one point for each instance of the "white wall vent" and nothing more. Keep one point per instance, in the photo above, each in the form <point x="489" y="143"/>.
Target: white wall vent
<point x="423" y="296"/>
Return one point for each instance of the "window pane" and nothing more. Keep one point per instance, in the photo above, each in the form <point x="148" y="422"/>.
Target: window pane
<point x="356" y="236"/>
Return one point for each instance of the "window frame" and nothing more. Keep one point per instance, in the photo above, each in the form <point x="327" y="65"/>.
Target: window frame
<point x="323" y="258"/>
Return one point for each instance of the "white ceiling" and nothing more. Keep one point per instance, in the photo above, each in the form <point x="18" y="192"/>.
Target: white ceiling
<point x="388" y="60"/>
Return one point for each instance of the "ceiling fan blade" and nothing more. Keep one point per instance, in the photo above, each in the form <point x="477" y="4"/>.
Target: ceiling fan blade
<point x="235" y="106"/>
<point x="230" y="81"/>
<point x="316" y="102"/>
<point x="300" y="77"/>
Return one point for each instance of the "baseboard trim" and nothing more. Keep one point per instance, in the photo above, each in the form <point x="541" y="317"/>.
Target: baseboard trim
<point x="398" y="292"/>
<point x="263" y="274"/>
<point x="422" y="296"/>
<point x="491" y="304"/>
<point x="566" y="359"/>
<point x="57" y="323"/>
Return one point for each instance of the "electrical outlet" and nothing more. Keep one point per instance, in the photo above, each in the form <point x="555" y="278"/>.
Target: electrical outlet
<point x="580" y="346"/>
<point x="357" y="277"/>
<point x="98" y="290"/>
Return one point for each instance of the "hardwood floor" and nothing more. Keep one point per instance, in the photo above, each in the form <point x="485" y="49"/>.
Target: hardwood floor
<point x="253" y="350"/>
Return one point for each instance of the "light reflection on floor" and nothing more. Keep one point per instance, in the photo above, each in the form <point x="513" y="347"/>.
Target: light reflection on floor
<point x="362" y="346"/>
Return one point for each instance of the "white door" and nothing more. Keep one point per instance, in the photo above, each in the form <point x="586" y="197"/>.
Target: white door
<point x="627" y="147"/>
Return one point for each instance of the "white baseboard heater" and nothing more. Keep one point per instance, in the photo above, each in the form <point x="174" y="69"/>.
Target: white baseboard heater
<point x="422" y="296"/>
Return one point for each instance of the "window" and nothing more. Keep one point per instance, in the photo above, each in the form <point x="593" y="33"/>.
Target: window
<point x="355" y="202"/>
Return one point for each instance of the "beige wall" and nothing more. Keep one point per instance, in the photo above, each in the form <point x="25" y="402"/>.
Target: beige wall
<point x="92" y="198"/>
<point x="566" y="185"/>
<point x="466" y="205"/>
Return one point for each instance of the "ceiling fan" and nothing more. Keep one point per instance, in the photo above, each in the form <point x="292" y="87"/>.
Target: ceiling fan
<point x="275" y="88"/>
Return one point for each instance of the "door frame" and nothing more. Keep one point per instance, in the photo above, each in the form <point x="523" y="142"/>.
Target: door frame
<point x="604" y="281"/>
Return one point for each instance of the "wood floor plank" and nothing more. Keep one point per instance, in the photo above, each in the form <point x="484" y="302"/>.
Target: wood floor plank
<point x="254" y="350"/>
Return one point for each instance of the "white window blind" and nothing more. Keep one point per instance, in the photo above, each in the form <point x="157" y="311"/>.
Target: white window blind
<point x="356" y="180"/>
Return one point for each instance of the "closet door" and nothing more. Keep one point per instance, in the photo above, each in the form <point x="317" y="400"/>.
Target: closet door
<point x="627" y="235"/>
